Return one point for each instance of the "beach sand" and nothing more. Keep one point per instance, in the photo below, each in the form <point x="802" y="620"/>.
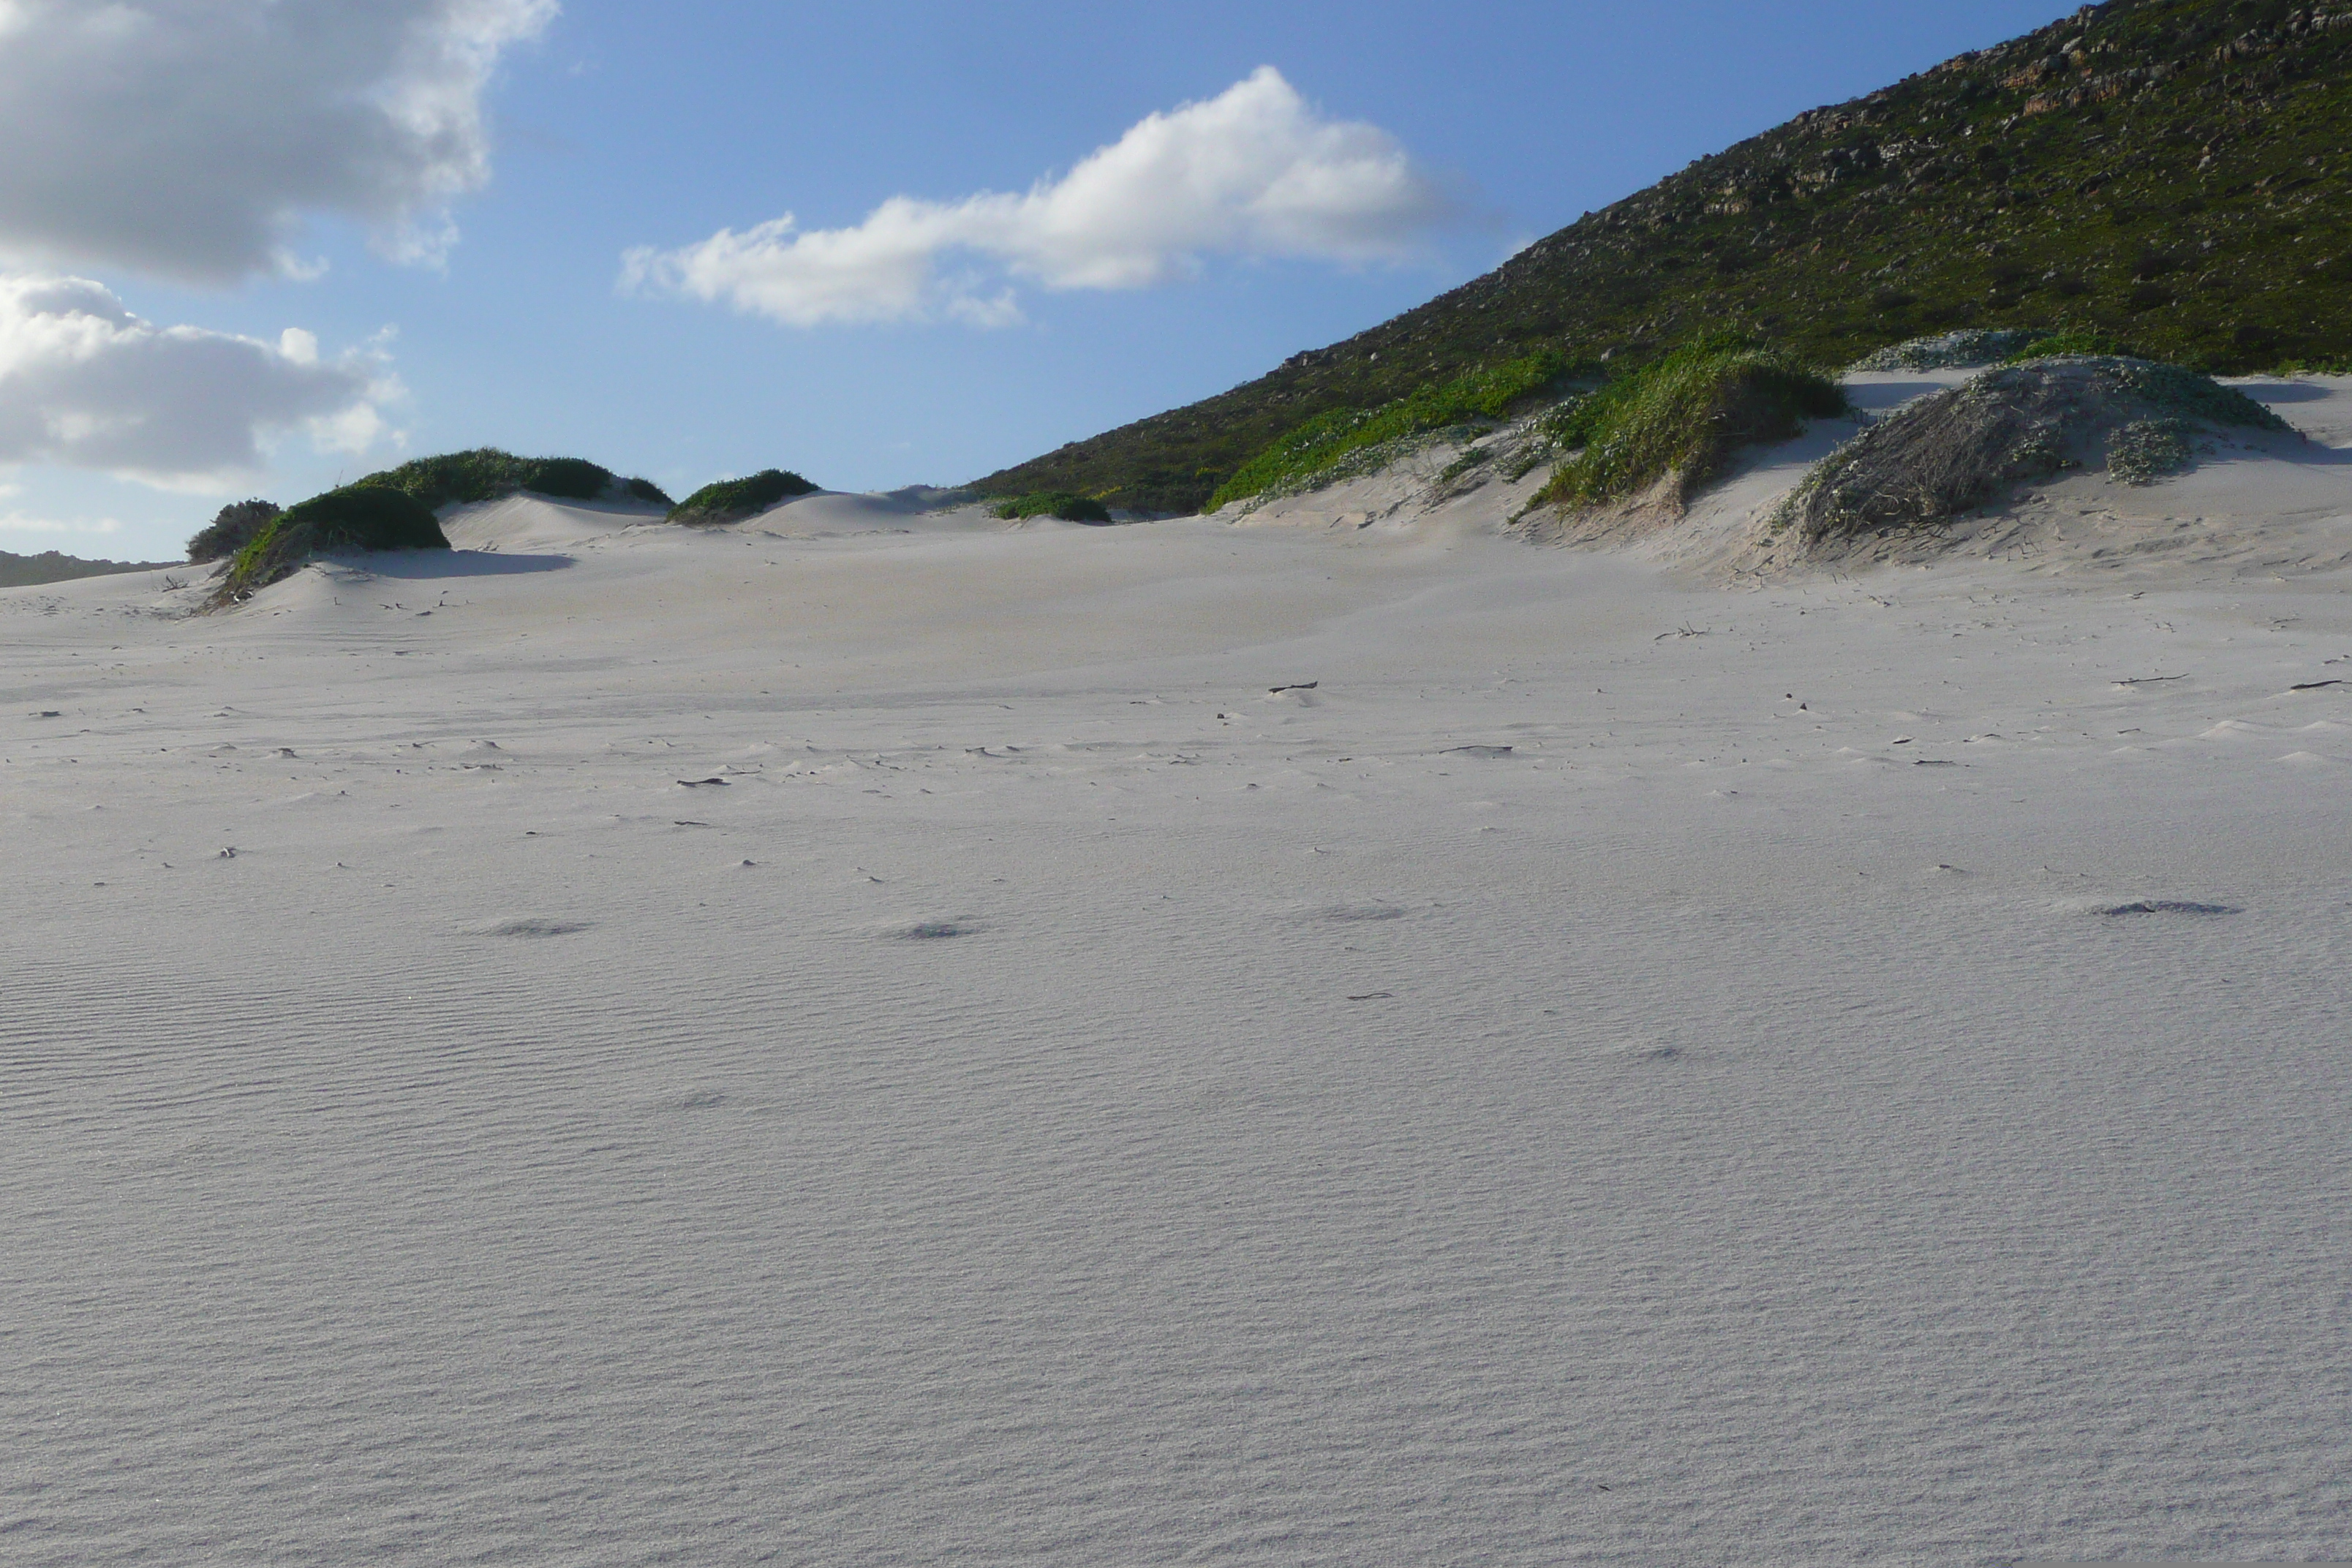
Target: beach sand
<point x="875" y="1036"/>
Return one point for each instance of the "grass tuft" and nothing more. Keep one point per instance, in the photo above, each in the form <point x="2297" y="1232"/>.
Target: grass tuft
<point x="1063" y="504"/>
<point x="1685" y="416"/>
<point x="1315" y="452"/>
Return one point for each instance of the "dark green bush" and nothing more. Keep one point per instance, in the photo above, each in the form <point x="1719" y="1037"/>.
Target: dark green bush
<point x="231" y="529"/>
<point x="355" y="518"/>
<point x="646" y="490"/>
<point x="486" y="474"/>
<point x="1685" y="415"/>
<point x="567" y="478"/>
<point x="1063" y="504"/>
<point x="731" y="500"/>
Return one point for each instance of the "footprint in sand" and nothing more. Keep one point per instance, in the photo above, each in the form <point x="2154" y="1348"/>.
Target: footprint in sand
<point x="534" y="929"/>
<point x="1360" y="912"/>
<point x="933" y="931"/>
<point x="2167" y="906"/>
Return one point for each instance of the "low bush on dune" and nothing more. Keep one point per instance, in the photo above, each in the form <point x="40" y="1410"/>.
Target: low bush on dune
<point x="1967" y="349"/>
<point x="1063" y="504"/>
<point x="487" y="474"/>
<point x="649" y="492"/>
<point x="731" y="500"/>
<point x="1957" y="449"/>
<point x="356" y="517"/>
<point x="231" y="529"/>
<point x="1682" y="418"/>
<point x="1338" y="445"/>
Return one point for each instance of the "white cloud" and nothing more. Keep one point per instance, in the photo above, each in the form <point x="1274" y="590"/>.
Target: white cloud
<point x="1253" y="172"/>
<point x="186" y="137"/>
<point x="19" y="522"/>
<point x="85" y="384"/>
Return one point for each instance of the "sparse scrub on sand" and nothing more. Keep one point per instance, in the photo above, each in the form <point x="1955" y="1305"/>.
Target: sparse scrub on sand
<point x="232" y="527"/>
<point x="731" y="500"/>
<point x="1344" y="442"/>
<point x="1967" y="349"/>
<point x="2072" y="342"/>
<point x="356" y="517"/>
<point x="2148" y="450"/>
<point x="1682" y="418"/>
<point x="487" y="474"/>
<point x="1974" y="348"/>
<point x="649" y="492"/>
<point x="1961" y="447"/>
<point x="1063" y="504"/>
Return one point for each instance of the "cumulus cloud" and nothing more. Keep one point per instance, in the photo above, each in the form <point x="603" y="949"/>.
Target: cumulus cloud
<point x="85" y="384"/>
<point x="186" y="137"/>
<point x="1253" y="172"/>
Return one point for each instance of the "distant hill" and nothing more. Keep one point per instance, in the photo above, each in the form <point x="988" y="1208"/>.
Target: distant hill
<point x="48" y="567"/>
<point x="2176" y="173"/>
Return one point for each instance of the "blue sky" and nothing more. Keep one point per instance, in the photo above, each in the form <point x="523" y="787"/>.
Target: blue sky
<point x="560" y="140"/>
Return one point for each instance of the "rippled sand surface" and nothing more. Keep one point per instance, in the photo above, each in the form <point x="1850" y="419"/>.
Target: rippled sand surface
<point x="872" y="1039"/>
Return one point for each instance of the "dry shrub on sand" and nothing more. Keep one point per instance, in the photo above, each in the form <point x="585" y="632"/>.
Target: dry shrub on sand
<point x="1959" y="448"/>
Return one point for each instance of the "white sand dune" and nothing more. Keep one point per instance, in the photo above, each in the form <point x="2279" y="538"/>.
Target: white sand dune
<point x="872" y="1037"/>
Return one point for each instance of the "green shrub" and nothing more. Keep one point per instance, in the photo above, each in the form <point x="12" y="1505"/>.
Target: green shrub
<point x="567" y="478"/>
<point x="1063" y="504"/>
<point x="1970" y="348"/>
<point x="2074" y="340"/>
<point x="1685" y="414"/>
<point x="1313" y="450"/>
<point x="646" y="490"/>
<point x="486" y="474"/>
<point x="357" y="517"/>
<point x="730" y="500"/>
<point x="231" y="529"/>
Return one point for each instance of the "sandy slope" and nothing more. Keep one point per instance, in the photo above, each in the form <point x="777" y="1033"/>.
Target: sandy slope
<point x="1849" y="1069"/>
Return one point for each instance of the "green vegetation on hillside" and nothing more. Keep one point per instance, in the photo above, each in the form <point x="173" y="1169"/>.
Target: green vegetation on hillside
<point x="1318" y="450"/>
<point x="1061" y="504"/>
<point x="231" y="529"/>
<point x="357" y="517"/>
<point x="730" y="500"/>
<point x="486" y="474"/>
<point x="2174" y="174"/>
<point x="1685" y="416"/>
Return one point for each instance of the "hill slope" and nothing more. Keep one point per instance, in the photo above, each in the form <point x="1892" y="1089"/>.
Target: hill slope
<point x="2178" y="172"/>
<point x="48" y="567"/>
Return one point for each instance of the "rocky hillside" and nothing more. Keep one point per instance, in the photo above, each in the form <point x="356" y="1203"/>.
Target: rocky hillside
<point x="2176" y="173"/>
